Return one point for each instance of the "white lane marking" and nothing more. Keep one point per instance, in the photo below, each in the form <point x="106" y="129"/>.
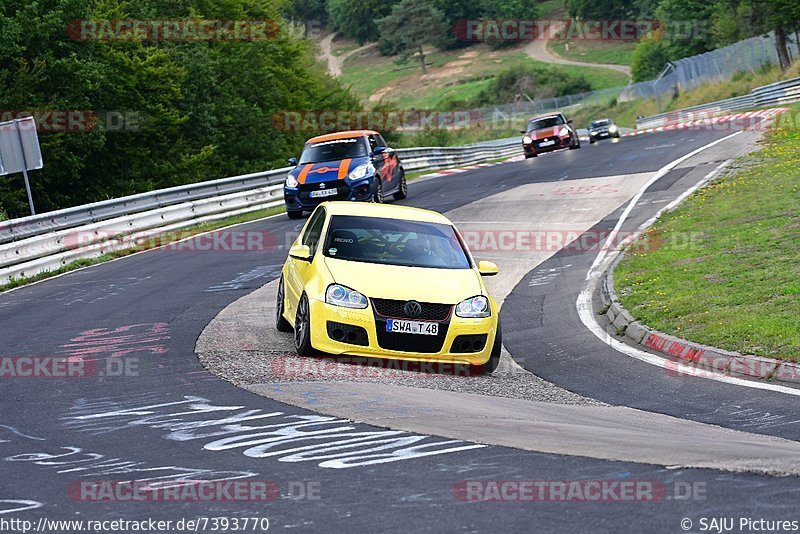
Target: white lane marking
<point x="239" y="282"/>
<point x="658" y="175"/>
<point x="543" y="277"/>
<point x="654" y="147"/>
<point x="20" y="506"/>
<point x="290" y="437"/>
<point x="586" y="313"/>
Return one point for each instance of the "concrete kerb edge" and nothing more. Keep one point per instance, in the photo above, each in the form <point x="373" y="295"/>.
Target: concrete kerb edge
<point x="685" y="352"/>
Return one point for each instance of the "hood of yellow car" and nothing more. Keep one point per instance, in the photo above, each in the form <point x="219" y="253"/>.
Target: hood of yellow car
<point x="446" y="286"/>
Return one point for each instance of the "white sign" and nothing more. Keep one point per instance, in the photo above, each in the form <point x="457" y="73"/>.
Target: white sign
<point x="11" y="157"/>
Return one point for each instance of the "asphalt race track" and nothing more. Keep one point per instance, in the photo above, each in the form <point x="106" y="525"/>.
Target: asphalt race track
<point x="151" y="412"/>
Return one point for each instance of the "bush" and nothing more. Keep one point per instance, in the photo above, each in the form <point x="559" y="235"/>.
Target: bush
<point x="648" y="59"/>
<point x="531" y="80"/>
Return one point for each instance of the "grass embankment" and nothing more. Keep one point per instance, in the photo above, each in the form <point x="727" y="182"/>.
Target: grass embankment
<point x="740" y="84"/>
<point x="724" y="268"/>
<point x="452" y="75"/>
<point x="594" y="51"/>
<point x="156" y="240"/>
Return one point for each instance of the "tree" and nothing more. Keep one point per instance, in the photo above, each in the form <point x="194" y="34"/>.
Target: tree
<point x="649" y="57"/>
<point x="411" y="25"/>
<point x="685" y="26"/>
<point x="357" y="18"/>
<point x="600" y="9"/>
<point x="204" y="109"/>
<point x="782" y="16"/>
<point x="457" y="12"/>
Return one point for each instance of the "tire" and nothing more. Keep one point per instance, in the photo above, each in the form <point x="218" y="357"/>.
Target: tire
<point x="302" y="328"/>
<point x="528" y="156"/>
<point x="377" y="195"/>
<point x="402" y="192"/>
<point x="576" y="144"/>
<point x="294" y="214"/>
<point x="591" y="140"/>
<point x="494" y="359"/>
<point x="280" y="321"/>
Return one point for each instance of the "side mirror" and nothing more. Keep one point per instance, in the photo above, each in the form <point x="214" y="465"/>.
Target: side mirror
<point x="569" y="121"/>
<point x="300" y="252"/>
<point x="523" y="132"/>
<point x="292" y="161"/>
<point x="378" y="150"/>
<point x="487" y="268"/>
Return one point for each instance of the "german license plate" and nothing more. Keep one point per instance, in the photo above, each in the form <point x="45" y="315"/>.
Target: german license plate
<point x="547" y="143"/>
<point x="412" y="327"/>
<point x="323" y="193"/>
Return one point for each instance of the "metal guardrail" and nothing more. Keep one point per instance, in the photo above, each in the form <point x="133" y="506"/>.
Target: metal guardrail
<point x="47" y="241"/>
<point x="774" y="94"/>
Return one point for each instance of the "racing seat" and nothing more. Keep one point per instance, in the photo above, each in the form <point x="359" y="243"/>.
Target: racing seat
<point x="346" y="244"/>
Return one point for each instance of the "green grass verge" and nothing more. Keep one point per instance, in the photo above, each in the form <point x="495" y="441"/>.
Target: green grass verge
<point x="740" y="84"/>
<point x="598" y="78"/>
<point x="723" y="268"/>
<point x="611" y="52"/>
<point x="453" y="75"/>
<point x="156" y="240"/>
<point x="551" y="9"/>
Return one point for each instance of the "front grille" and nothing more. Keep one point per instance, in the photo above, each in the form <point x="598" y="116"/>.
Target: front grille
<point x="539" y="142"/>
<point x="342" y="191"/>
<point x="394" y="309"/>
<point x="347" y="333"/>
<point x="469" y="343"/>
<point x="410" y="342"/>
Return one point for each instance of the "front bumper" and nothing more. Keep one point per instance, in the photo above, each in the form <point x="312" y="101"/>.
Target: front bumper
<point x="603" y="134"/>
<point x="299" y="198"/>
<point x="456" y="327"/>
<point x="547" y="144"/>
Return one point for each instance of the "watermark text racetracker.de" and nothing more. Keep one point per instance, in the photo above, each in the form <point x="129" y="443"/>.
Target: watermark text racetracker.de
<point x="612" y="30"/>
<point x="75" y="120"/>
<point x="57" y="367"/>
<point x="478" y="239"/>
<point x="149" y="491"/>
<point x="612" y="490"/>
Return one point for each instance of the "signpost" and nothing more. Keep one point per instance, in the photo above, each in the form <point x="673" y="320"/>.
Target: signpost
<point x="19" y="150"/>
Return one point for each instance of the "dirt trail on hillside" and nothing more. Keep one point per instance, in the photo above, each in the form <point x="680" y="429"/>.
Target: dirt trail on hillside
<point x="335" y="62"/>
<point x="537" y="49"/>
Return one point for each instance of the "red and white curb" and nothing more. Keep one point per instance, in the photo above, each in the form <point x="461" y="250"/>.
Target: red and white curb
<point x="685" y="365"/>
<point x="456" y="170"/>
<point x="750" y="119"/>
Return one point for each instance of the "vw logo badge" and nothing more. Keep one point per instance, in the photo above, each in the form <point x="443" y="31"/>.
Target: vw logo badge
<point x="322" y="185"/>
<point x="412" y="308"/>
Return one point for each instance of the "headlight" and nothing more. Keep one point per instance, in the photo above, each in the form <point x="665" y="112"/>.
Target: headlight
<point x="291" y="181"/>
<point x="474" y="307"/>
<point x="564" y="132"/>
<point x="344" y="296"/>
<point x="361" y="171"/>
<point x="593" y="132"/>
<point x="612" y="129"/>
<point x="527" y="140"/>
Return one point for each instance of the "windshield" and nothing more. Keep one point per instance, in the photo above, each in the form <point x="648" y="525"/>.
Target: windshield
<point x="601" y="122"/>
<point x="545" y="122"/>
<point x="395" y="242"/>
<point x="333" y="150"/>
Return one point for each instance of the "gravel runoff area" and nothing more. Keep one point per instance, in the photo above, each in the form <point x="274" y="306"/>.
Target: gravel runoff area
<point x="242" y="346"/>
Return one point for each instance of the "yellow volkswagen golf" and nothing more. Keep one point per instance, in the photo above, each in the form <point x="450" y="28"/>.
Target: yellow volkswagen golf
<point x="376" y="280"/>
